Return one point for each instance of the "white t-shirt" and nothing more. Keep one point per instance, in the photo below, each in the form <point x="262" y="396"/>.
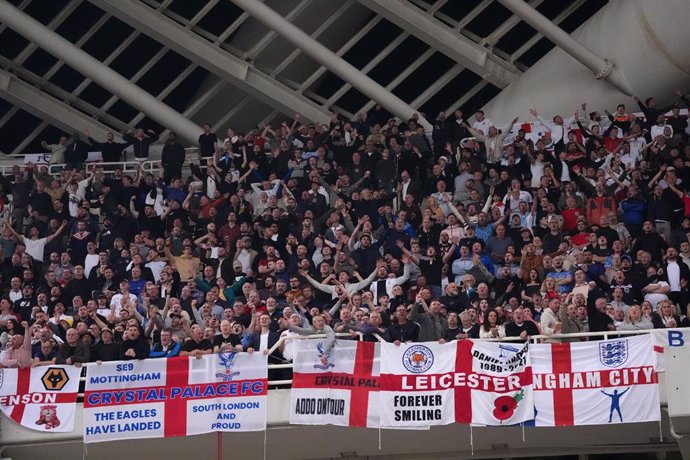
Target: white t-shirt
<point x="90" y="262"/>
<point x="156" y="267"/>
<point x="117" y="299"/>
<point x="263" y="344"/>
<point x="35" y="248"/>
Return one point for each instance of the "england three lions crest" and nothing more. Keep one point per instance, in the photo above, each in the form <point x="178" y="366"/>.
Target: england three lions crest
<point x="226" y="360"/>
<point x="613" y="353"/>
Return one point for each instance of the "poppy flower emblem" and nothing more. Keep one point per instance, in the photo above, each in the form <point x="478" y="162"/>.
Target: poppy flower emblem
<point x="504" y="406"/>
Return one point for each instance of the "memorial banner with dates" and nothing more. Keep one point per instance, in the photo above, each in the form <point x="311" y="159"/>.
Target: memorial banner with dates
<point x="425" y="384"/>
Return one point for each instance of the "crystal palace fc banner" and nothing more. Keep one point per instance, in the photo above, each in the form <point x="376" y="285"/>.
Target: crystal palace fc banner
<point x="40" y="398"/>
<point x="182" y="396"/>
<point x="343" y="391"/>
<point x="467" y="381"/>
<point x="595" y="383"/>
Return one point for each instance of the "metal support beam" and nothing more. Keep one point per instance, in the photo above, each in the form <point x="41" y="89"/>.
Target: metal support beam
<point x="602" y="68"/>
<point x="328" y="58"/>
<point x="48" y="108"/>
<point x="467" y="96"/>
<point x="264" y="41"/>
<point x="91" y="67"/>
<point x="215" y="60"/>
<point x="52" y="25"/>
<point x="507" y="25"/>
<point x="436" y="86"/>
<point x="570" y="9"/>
<point x="62" y="95"/>
<point x="343" y="49"/>
<point x="445" y="40"/>
<point x="325" y="25"/>
<point x="19" y="149"/>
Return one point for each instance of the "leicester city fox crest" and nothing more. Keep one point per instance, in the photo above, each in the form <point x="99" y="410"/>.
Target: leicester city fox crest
<point x="613" y="353"/>
<point x="320" y="352"/>
<point x="226" y="360"/>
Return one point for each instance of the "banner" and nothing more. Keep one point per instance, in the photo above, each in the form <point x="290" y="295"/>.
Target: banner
<point x="181" y="396"/>
<point x="663" y="339"/>
<point x="343" y="392"/>
<point x="40" y="398"/>
<point x="424" y="384"/>
<point x="595" y="383"/>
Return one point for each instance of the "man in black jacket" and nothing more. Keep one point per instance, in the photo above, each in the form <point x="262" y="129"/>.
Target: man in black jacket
<point x="76" y="153"/>
<point x="404" y="330"/>
<point x="110" y="150"/>
<point x="172" y="159"/>
<point x="141" y="142"/>
<point x="597" y="319"/>
<point x="136" y="346"/>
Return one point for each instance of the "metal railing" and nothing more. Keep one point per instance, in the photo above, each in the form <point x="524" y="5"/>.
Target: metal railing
<point x="359" y="336"/>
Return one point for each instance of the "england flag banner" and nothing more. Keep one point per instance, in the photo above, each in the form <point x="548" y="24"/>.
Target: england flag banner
<point x="595" y="383"/>
<point x="466" y="381"/>
<point x="41" y="398"/>
<point x="182" y="396"/>
<point x="668" y="338"/>
<point x="342" y="391"/>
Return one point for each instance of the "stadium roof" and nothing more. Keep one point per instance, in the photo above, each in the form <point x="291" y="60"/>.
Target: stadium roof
<point x="214" y="63"/>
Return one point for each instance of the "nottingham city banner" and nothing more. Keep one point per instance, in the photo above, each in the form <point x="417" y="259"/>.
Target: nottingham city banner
<point x="466" y="381"/>
<point x="343" y="391"/>
<point x="595" y="383"/>
<point x="41" y="398"/>
<point x="180" y="396"/>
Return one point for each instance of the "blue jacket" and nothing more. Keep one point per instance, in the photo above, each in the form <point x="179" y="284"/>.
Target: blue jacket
<point x="158" y="352"/>
<point x="634" y="211"/>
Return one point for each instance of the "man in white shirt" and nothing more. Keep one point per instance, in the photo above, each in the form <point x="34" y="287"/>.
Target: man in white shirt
<point x="550" y="322"/>
<point x="35" y="246"/>
<point x="660" y="126"/>
<point x="116" y="301"/>
<point x="559" y="129"/>
<point x="482" y="123"/>
<point x="677" y="275"/>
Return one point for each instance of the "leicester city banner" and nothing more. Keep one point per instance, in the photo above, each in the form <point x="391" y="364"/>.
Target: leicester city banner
<point x="595" y="383"/>
<point x="40" y="398"/>
<point x="181" y="396"/>
<point x="343" y="391"/>
<point x="424" y="384"/>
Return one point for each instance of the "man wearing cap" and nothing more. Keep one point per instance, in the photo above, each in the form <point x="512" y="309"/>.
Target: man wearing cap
<point x="106" y="349"/>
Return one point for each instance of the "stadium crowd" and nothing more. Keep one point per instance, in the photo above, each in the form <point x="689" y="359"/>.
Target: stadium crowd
<point x="571" y="224"/>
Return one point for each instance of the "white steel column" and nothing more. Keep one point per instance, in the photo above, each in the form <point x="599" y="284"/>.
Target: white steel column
<point x="92" y="68"/>
<point x="48" y="108"/>
<point x="329" y="59"/>
<point x="444" y="39"/>
<point x="601" y="67"/>
<point x="221" y="63"/>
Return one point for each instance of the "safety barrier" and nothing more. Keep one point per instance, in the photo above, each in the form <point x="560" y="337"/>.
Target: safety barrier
<point x="360" y="336"/>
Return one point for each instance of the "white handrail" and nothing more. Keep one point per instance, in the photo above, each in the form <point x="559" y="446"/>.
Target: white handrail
<point x="533" y="339"/>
